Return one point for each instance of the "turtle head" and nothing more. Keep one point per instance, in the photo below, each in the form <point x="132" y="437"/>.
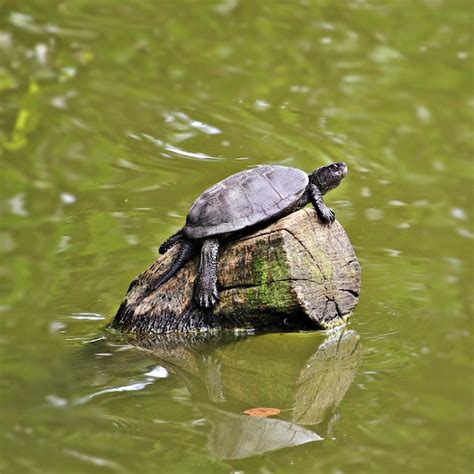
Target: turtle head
<point x="328" y="177"/>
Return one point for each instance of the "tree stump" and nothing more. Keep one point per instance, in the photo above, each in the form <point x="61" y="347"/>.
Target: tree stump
<point x="295" y="273"/>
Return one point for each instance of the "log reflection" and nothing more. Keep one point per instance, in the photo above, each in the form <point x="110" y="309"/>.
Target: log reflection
<point x="306" y="375"/>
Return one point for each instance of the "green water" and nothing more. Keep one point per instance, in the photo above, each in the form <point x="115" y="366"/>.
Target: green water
<point x="115" y="115"/>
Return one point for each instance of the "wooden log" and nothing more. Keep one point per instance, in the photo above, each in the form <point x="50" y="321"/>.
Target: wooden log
<point x="295" y="273"/>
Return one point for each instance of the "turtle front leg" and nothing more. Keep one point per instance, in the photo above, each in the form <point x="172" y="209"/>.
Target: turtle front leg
<point x="327" y="215"/>
<point x="205" y="286"/>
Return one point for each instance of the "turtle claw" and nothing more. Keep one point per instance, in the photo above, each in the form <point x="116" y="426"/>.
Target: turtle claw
<point x="206" y="299"/>
<point x="327" y="215"/>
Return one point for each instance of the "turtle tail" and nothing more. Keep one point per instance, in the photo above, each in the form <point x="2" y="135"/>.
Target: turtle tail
<point x="171" y="242"/>
<point x="186" y="251"/>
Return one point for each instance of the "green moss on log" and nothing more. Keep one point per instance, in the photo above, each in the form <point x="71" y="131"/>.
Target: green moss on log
<point x="274" y="296"/>
<point x="271" y="276"/>
<point x="268" y="264"/>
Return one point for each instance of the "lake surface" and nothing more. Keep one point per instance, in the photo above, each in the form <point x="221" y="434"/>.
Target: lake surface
<point x="115" y="115"/>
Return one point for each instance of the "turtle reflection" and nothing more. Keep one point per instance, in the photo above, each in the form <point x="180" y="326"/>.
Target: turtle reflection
<point x="306" y="377"/>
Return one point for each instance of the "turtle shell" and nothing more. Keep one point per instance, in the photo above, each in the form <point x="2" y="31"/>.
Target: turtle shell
<point x="245" y="199"/>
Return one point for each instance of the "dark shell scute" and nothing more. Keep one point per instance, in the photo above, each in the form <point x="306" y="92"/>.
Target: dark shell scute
<point x="245" y="199"/>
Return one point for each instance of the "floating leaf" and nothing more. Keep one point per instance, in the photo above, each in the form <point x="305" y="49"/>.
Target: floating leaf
<point x="261" y="411"/>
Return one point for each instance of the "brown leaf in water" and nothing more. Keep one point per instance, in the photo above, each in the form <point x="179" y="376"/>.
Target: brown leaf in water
<point x="261" y="411"/>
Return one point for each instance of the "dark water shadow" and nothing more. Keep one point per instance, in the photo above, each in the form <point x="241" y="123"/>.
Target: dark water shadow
<point x="305" y="375"/>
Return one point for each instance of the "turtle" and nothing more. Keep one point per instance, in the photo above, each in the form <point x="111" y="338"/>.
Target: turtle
<point x="239" y="204"/>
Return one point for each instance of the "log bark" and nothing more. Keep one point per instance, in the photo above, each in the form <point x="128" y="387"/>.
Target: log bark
<point x="295" y="273"/>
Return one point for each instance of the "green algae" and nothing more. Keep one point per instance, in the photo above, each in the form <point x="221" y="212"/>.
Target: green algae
<point x="271" y="275"/>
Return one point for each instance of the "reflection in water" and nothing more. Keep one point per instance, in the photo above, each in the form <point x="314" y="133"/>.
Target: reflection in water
<point x="307" y="380"/>
<point x="235" y="436"/>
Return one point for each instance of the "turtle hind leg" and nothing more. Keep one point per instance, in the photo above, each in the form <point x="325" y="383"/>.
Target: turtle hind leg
<point x="186" y="252"/>
<point x="171" y="242"/>
<point x="205" y="286"/>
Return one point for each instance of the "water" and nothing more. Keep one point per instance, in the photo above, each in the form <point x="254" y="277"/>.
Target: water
<point x="114" y="116"/>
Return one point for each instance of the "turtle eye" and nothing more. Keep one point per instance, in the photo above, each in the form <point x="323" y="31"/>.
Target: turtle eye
<point x="334" y="168"/>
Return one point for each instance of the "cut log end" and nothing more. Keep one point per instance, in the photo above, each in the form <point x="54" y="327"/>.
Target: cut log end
<point x="297" y="273"/>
